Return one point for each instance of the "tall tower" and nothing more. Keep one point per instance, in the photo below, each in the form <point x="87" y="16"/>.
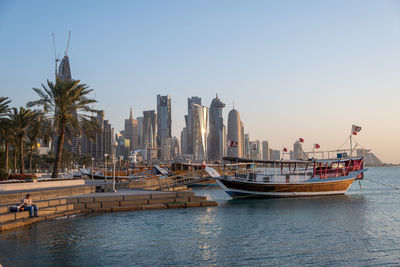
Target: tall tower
<point x="200" y="131"/>
<point x="150" y="129"/>
<point x="242" y="139"/>
<point x="131" y="131"/>
<point x="189" y="123"/>
<point x="246" y="153"/>
<point x="163" y="118"/>
<point x="64" y="70"/>
<point x="103" y="141"/>
<point x="216" y="136"/>
<point x="234" y="134"/>
<point x="298" y="152"/>
<point x="265" y="150"/>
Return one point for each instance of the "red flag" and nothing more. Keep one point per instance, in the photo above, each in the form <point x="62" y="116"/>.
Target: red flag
<point x="301" y="140"/>
<point x="354" y="132"/>
<point x="203" y="165"/>
<point x="355" y="128"/>
<point x="317" y="146"/>
<point x="233" y="144"/>
<point x="284" y="149"/>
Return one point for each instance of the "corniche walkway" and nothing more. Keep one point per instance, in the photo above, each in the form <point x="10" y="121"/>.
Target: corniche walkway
<point x="68" y="201"/>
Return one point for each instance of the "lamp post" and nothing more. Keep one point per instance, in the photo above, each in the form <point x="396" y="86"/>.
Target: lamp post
<point x="114" y="154"/>
<point x="92" y="168"/>
<point x="105" y="167"/>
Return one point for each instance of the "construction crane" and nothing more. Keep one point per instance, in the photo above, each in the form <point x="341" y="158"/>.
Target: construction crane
<point x="56" y="59"/>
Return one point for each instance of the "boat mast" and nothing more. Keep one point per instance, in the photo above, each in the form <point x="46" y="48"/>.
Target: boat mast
<point x="351" y="145"/>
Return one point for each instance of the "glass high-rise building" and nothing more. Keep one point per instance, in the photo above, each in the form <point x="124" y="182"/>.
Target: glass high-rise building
<point x="216" y="136"/>
<point x="265" y="150"/>
<point x="131" y="131"/>
<point x="163" y="121"/>
<point x="189" y="123"/>
<point x="199" y="131"/>
<point x="150" y="129"/>
<point x="64" y="69"/>
<point x="140" y="132"/>
<point x="102" y="143"/>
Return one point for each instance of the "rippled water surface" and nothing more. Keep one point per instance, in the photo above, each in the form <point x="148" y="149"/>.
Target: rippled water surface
<point x="350" y="230"/>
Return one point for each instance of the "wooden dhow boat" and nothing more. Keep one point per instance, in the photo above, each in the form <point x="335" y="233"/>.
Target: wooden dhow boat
<point x="288" y="178"/>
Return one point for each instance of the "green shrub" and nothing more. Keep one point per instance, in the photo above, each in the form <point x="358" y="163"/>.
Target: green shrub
<point x="3" y="175"/>
<point x="23" y="177"/>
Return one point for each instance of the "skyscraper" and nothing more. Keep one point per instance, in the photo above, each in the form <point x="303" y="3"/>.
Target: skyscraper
<point x="224" y="144"/>
<point x="265" y="150"/>
<point x="189" y="123"/>
<point x="140" y="132"/>
<point x="183" y="141"/>
<point x="150" y="129"/>
<point x="64" y="69"/>
<point x="164" y="125"/>
<point x="102" y="142"/>
<point x="246" y="153"/>
<point x="124" y="146"/>
<point x="216" y="137"/>
<point x="242" y="138"/>
<point x="298" y="152"/>
<point x="131" y="131"/>
<point x="175" y="146"/>
<point x="199" y="131"/>
<point x="234" y="134"/>
<point x="255" y="149"/>
<point x="274" y="154"/>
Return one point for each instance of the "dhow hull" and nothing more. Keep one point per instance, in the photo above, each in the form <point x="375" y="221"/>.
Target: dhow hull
<point x="243" y="189"/>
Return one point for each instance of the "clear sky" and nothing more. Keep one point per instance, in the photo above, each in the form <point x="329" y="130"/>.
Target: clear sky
<point x="293" y="68"/>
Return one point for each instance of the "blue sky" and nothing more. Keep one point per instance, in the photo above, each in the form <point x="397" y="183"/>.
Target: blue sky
<point x="293" y="68"/>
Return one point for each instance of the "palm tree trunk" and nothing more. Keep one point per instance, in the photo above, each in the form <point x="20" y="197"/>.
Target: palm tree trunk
<point x="15" y="159"/>
<point x="6" y="156"/>
<point x="60" y="146"/>
<point x="30" y="162"/>
<point x="21" y="155"/>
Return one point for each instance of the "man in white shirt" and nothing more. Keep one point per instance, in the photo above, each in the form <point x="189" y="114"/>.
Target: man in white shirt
<point x="27" y="204"/>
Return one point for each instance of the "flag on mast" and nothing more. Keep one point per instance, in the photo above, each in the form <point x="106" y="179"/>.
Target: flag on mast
<point x="284" y="149"/>
<point x="316" y="146"/>
<point x="301" y="140"/>
<point x="355" y="129"/>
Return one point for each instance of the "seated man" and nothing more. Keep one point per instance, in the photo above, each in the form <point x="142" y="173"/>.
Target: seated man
<point x="27" y="204"/>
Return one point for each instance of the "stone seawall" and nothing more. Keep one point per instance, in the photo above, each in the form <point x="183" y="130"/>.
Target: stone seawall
<point x="112" y="203"/>
<point x="126" y="200"/>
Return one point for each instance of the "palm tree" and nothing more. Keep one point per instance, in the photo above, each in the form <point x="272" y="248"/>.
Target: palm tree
<point x="6" y="136"/>
<point x="40" y="129"/>
<point x="66" y="103"/>
<point x="4" y="128"/>
<point x="4" y="109"/>
<point x="22" y="119"/>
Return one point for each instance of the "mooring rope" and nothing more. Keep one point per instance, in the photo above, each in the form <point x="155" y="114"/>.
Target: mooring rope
<point x="388" y="185"/>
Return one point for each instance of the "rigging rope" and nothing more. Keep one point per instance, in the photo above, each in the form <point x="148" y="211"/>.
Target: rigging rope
<point x="344" y="143"/>
<point x="388" y="185"/>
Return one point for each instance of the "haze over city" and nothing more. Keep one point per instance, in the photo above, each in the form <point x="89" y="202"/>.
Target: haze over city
<point x="292" y="69"/>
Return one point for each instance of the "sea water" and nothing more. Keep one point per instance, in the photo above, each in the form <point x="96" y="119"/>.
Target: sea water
<point x="352" y="230"/>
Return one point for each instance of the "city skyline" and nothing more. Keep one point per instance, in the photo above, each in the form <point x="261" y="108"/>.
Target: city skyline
<point x="283" y="78"/>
